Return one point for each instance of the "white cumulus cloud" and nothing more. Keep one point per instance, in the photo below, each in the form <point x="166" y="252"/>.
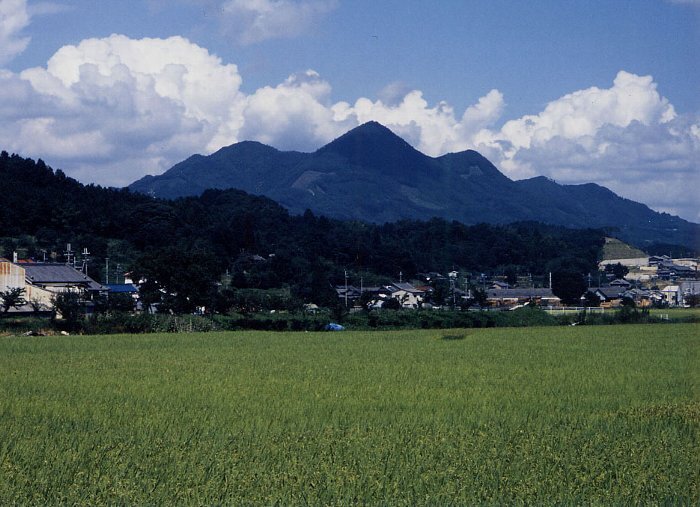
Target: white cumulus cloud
<point x="14" y="17"/>
<point x="122" y="99"/>
<point x="295" y="115"/>
<point x="434" y="130"/>
<point x="626" y="137"/>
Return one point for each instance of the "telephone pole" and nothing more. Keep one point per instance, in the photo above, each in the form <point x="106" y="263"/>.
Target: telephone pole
<point x="346" y="288"/>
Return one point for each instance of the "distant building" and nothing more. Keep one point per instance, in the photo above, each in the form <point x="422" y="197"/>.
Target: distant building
<point x="672" y="295"/>
<point x="407" y="294"/>
<point x="43" y="281"/>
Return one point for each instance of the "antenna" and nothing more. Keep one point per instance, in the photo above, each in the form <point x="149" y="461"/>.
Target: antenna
<point x="69" y="254"/>
<point x="86" y="258"/>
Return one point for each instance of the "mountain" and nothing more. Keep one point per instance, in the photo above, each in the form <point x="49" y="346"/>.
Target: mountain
<point x="373" y="175"/>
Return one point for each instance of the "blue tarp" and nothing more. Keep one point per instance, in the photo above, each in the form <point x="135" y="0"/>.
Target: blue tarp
<point x="334" y="327"/>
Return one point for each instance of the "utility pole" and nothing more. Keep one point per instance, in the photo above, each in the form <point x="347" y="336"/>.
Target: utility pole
<point x="86" y="257"/>
<point x="346" y="288"/>
<point x="107" y="271"/>
<point x="68" y="254"/>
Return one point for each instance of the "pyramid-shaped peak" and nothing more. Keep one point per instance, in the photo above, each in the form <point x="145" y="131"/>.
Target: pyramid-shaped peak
<point x="371" y="145"/>
<point x="371" y="131"/>
<point x="373" y="127"/>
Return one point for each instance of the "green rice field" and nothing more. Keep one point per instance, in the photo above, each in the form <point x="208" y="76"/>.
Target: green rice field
<point x="575" y="415"/>
<point x="675" y="313"/>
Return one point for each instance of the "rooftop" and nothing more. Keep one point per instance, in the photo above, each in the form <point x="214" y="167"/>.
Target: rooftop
<point x="48" y="273"/>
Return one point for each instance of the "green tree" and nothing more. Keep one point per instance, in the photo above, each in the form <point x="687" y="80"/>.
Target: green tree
<point x="177" y="280"/>
<point x="479" y="296"/>
<point x="618" y="270"/>
<point x="591" y="299"/>
<point x="692" y="300"/>
<point x="69" y="306"/>
<point x="569" y="286"/>
<point x="391" y="304"/>
<point x="12" y="298"/>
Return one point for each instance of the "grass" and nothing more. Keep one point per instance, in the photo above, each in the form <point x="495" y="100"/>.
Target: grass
<point x="675" y="313"/>
<point x="539" y="415"/>
<point x="616" y="249"/>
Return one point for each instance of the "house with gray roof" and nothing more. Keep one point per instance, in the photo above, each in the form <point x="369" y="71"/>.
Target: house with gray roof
<point x="60" y="277"/>
<point x="42" y="281"/>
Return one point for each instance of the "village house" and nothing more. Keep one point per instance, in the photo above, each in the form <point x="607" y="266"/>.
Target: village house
<point x="609" y="296"/>
<point x="672" y="295"/>
<point x="43" y="281"/>
<point x="408" y="295"/>
<point x="405" y="293"/>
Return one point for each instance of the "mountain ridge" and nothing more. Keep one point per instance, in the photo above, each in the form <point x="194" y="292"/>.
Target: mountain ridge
<point x="371" y="174"/>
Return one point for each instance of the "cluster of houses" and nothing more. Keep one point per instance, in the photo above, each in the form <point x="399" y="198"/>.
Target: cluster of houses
<point x="651" y="281"/>
<point x="409" y="296"/>
<point x="41" y="282"/>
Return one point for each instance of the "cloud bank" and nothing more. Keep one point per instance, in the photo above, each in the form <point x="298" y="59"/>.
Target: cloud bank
<point x="111" y="110"/>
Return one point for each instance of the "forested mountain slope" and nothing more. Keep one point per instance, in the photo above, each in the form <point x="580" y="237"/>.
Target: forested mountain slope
<point x="370" y="174"/>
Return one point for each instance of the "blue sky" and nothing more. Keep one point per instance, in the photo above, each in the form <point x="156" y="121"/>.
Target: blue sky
<point x="578" y="91"/>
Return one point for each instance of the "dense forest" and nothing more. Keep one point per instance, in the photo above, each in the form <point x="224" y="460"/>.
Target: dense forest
<point x="195" y="249"/>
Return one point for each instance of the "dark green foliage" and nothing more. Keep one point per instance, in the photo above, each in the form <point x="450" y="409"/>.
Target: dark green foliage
<point x="246" y="301"/>
<point x="591" y="299"/>
<point x="674" y="251"/>
<point x="114" y="302"/>
<point x="183" y="249"/>
<point x="12" y="298"/>
<point x="391" y="304"/>
<point x="568" y="285"/>
<point x="69" y="307"/>
<point x="618" y="270"/>
<point x="479" y="296"/>
<point x="177" y="280"/>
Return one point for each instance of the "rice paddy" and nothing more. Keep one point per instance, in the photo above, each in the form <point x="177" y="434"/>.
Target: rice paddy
<point x="603" y="414"/>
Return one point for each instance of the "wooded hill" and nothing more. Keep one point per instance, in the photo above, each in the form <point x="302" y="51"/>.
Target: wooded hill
<point x="189" y="246"/>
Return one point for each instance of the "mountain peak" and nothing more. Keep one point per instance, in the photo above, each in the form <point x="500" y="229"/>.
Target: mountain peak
<point x="374" y="146"/>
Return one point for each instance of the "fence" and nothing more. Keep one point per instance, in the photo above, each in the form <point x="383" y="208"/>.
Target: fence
<point x="554" y="310"/>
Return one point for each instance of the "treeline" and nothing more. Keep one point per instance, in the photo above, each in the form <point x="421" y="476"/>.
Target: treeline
<point x="202" y="251"/>
<point x="121" y="322"/>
